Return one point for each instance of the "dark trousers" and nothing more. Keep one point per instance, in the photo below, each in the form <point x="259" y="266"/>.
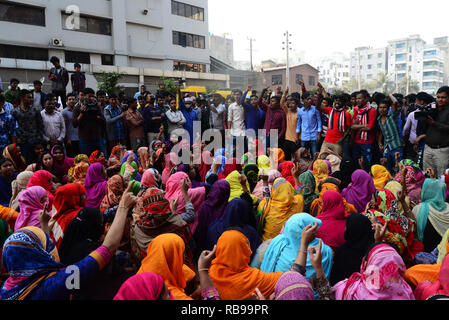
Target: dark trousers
<point x="289" y="148"/>
<point x="73" y="150"/>
<point x="360" y="150"/>
<point x="63" y="95"/>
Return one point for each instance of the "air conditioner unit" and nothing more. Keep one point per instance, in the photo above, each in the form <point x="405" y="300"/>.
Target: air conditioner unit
<point x="56" y="42"/>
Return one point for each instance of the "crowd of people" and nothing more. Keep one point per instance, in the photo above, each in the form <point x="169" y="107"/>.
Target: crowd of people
<point x="95" y="203"/>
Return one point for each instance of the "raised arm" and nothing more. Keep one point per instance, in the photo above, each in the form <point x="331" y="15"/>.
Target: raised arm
<point x="283" y="101"/>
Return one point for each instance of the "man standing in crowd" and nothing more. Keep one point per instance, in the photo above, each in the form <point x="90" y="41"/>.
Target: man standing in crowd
<point x="134" y="124"/>
<point x="175" y="118"/>
<point x="54" y="127"/>
<point x="38" y="96"/>
<point x="29" y="123"/>
<point x="7" y="126"/>
<point x="89" y="120"/>
<point x="142" y="92"/>
<point x="153" y="116"/>
<point x="217" y="116"/>
<point x="59" y="77"/>
<point x="275" y="118"/>
<point x="364" y="123"/>
<point x="12" y="95"/>
<point x="189" y="114"/>
<point x="254" y="116"/>
<point x="78" y="79"/>
<point x="436" y="153"/>
<point x="389" y="139"/>
<point x="338" y="127"/>
<point x="290" y="106"/>
<point x="309" y="124"/>
<point x="72" y="139"/>
<point x="236" y="118"/>
<point x="115" y="126"/>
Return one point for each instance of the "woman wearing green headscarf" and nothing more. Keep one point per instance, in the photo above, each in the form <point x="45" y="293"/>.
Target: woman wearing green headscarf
<point x="308" y="183"/>
<point x="435" y="210"/>
<point x="129" y="172"/>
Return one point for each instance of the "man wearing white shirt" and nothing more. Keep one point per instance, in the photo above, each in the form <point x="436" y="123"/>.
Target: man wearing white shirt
<point x="236" y="116"/>
<point x="176" y="119"/>
<point x="54" y="126"/>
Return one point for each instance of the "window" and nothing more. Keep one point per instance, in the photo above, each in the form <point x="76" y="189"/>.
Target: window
<point x="380" y="55"/>
<point x="188" y="66"/>
<point x="90" y="25"/>
<point x="430" y="53"/>
<point x="19" y="13"/>
<point x="311" y="80"/>
<point x="107" y="59"/>
<point x="77" y="57"/>
<point x="370" y="56"/>
<point x="369" y="76"/>
<point x="276" y="79"/>
<point x="370" y="67"/>
<point x="187" y="10"/>
<point x="26" y="53"/>
<point x="400" y="45"/>
<point x="379" y="65"/>
<point x="189" y="40"/>
<point x="298" y="78"/>
<point x="400" y="57"/>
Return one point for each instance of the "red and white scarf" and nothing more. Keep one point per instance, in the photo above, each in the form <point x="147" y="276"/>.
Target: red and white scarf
<point x="364" y="120"/>
<point x="341" y="119"/>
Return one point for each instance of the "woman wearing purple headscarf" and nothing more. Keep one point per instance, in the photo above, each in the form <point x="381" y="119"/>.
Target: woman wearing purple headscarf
<point x="211" y="210"/>
<point x="361" y="190"/>
<point x="95" y="185"/>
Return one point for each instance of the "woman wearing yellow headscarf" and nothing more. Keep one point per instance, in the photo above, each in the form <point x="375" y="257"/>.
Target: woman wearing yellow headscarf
<point x="274" y="212"/>
<point x="320" y="172"/>
<point x="380" y="176"/>
<point x="236" y="187"/>
<point x="264" y="164"/>
<point x="396" y="187"/>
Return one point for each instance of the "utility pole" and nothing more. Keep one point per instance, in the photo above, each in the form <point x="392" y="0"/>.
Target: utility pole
<point x="407" y="66"/>
<point x="251" y="52"/>
<point x="287" y="44"/>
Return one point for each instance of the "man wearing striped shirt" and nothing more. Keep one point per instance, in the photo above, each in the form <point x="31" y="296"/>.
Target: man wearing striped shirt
<point x="389" y="138"/>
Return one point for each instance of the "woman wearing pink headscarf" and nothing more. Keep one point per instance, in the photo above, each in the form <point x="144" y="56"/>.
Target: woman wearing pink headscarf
<point x="380" y="278"/>
<point x="173" y="191"/>
<point x="144" y="286"/>
<point x="95" y="185"/>
<point x="360" y="192"/>
<point x="169" y="165"/>
<point x="32" y="202"/>
<point x="333" y="216"/>
<point x="427" y="289"/>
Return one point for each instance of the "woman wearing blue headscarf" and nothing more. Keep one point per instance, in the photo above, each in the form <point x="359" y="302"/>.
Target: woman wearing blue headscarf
<point x="435" y="210"/>
<point x="283" y="249"/>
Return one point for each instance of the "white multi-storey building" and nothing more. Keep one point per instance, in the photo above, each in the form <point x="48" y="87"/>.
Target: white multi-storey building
<point x="366" y="63"/>
<point x="145" y="39"/>
<point x="334" y="70"/>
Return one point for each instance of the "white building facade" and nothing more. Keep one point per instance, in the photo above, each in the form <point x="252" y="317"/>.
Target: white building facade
<point x="334" y="70"/>
<point x="142" y="38"/>
<point x="366" y="63"/>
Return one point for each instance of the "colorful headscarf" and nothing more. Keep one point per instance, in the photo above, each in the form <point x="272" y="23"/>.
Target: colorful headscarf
<point x="61" y="168"/>
<point x="230" y="166"/>
<point x="114" y="191"/>
<point x="95" y="185"/>
<point x="145" y="286"/>
<point x="68" y="206"/>
<point x="165" y="258"/>
<point x="18" y="186"/>
<point x="31" y="205"/>
<point x="144" y="155"/>
<point x="80" y="172"/>
<point x="251" y="171"/>
<point x="236" y="187"/>
<point x="360" y="192"/>
<point x="29" y="257"/>
<point x="293" y="286"/>
<point x="114" y="159"/>
<point x="320" y="172"/>
<point x="93" y="158"/>
<point x="308" y="184"/>
<point x="333" y="217"/>
<point x="433" y="208"/>
<point x="151" y="178"/>
<point x="426" y="289"/>
<point x="272" y="176"/>
<point x="317" y="205"/>
<point x="278" y="154"/>
<point x="78" y="159"/>
<point x="274" y="212"/>
<point x="42" y="178"/>
<point x="283" y="250"/>
<point x="380" y="176"/>
<point x="264" y="164"/>
<point x="230" y="271"/>
<point x="413" y="189"/>
<point x="287" y="172"/>
<point x="11" y="153"/>
<point x="380" y="278"/>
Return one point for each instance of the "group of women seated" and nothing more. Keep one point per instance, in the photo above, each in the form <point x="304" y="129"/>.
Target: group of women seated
<point x="144" y="226"/>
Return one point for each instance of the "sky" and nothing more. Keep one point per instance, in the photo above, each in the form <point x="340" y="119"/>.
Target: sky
<point x="321" y="27"/>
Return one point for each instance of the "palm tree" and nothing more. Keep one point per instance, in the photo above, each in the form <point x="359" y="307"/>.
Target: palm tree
<point x="384" y="82"/>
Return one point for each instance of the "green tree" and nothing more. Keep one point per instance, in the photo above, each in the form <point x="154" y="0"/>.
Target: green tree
<point x="171" y="85"/>
<point x="384" y="83"/>
<point x="109" y="82"/>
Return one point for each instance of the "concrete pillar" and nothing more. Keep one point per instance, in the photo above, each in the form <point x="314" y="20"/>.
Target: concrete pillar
<point x="119" y="35"/>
